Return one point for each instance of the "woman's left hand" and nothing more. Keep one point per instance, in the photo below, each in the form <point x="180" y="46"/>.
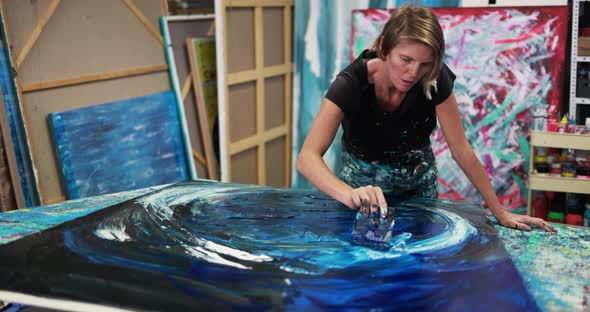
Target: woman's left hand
<point x="522" y="222"/>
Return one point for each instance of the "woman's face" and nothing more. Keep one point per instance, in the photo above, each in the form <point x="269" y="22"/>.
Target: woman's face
<point x="407" y="63"/>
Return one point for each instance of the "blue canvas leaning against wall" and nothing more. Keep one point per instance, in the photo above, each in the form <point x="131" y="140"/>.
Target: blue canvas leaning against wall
<point x="207" y="245"/>
<point x="119" y="146"/>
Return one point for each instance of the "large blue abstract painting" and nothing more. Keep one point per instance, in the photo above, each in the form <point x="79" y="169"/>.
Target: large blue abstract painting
<point x="119" y="146"/>
<point x="203" y="244"/>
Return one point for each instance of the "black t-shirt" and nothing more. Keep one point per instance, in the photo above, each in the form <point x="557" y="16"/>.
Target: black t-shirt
<point x="374" y="133"/>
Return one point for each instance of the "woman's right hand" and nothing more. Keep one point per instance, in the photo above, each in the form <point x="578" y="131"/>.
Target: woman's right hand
<point x="369" y="199"/>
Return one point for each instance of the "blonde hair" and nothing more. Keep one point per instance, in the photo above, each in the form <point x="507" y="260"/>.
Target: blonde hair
<point x="418" y="24"/>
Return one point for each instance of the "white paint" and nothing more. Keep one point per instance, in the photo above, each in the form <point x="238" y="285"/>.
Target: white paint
<point x="113" y="233"/>
<point x="311" y="38"/>
<point x="50" y="303"/>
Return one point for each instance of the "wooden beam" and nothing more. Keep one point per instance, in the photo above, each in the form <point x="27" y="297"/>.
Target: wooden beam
<point x="259" y="56"/>
<point x="146" y="23"/>
<point x="202" y="111"/>
<point x="11" y="158"/>
<point x="211" y="31"/>
<point x="200" y="158"/>
<point x="34" y="34"/>
<point x="250" y="142"/>
<point x="287" y="37"/>
<point x="186" y="87"/>
<point x="253" y="74"/>
<point x="54" y="200"/>
<point x="37" y="191"/>
<point x="93" y="78"/>
<point x="164" y="7"/>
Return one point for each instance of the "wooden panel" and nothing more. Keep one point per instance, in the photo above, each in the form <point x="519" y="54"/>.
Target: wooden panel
<point x="63" y="50"/>
<point x="245" y="167"/>
<point x="7" y="199"/>
<point x="273" y="36"/>
<point x="240" y="39"/>
<point x="274" y="102"/>
<point x="242" y="111"/>
<point x="275" y="169"/>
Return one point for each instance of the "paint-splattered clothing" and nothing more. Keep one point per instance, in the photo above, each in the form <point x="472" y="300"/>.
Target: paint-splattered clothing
<point x="388" y="149"/>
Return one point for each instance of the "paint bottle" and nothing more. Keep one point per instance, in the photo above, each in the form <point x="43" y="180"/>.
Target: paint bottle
<point x="552" y="124"/>
<point x="563" y="124"/>
<point x="556" y="210"/>
<point x="575" y="211"/>
<point x="540" y="206"/>
<point x="541" y="165"/>
<point x="540" y="119"/>
<point x="568" y="167"/>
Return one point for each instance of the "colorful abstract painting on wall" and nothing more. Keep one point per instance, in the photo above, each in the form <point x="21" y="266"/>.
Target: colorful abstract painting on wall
<point x="508" y="61"/>
<point x="228" y="246"/>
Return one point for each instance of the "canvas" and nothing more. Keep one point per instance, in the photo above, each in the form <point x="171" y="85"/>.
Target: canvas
<point x="202" y="244"/>
<point x="110" y="147"/>
<point x="201" y="55"/>
<point x="508" y="61"/>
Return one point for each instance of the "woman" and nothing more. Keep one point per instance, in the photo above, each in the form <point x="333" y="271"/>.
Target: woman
<point x="388" y="101"/>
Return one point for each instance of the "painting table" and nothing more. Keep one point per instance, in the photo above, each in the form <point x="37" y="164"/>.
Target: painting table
<point x="554" y="266"/>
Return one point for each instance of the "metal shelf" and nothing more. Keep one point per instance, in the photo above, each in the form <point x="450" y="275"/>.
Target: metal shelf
<point x="575" y="59"/>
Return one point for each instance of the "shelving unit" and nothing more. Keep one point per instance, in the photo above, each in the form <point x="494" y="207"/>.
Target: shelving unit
<point x="545" y="182"/>
<point x="575" y="59"/>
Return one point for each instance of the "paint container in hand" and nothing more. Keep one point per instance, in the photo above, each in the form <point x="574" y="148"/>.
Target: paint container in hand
<point x="540" y="206"/>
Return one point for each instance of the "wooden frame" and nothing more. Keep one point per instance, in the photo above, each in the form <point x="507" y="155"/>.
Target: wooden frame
<point x="202" y="108"/>
<point x="176" y="86"/>
<point x="19" y="58"/>
<point x="258" y="76"/>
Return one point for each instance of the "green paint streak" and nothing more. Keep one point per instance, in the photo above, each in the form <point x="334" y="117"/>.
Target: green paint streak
<point x="496" y="113"/>
<point x="506" y="157"/>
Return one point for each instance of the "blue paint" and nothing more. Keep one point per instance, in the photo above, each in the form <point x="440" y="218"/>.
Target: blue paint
<point x="18" y="134"/>
<point x="261" y="248"/>
<point x="119" y="146"/>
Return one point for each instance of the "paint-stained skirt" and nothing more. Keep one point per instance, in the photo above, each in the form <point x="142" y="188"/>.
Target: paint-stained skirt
<point x="403" y="175"/>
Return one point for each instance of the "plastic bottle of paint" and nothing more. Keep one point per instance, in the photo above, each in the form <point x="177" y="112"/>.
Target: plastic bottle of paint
<point x="575" y="211"/>
<point x="568" y="167"/>
<point x="556" y="210"/>
<point x="540" y="119"/>
<point x="540" y="206"/>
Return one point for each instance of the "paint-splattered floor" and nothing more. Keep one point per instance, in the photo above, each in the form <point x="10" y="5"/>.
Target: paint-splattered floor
<point x="554" y="266"/>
